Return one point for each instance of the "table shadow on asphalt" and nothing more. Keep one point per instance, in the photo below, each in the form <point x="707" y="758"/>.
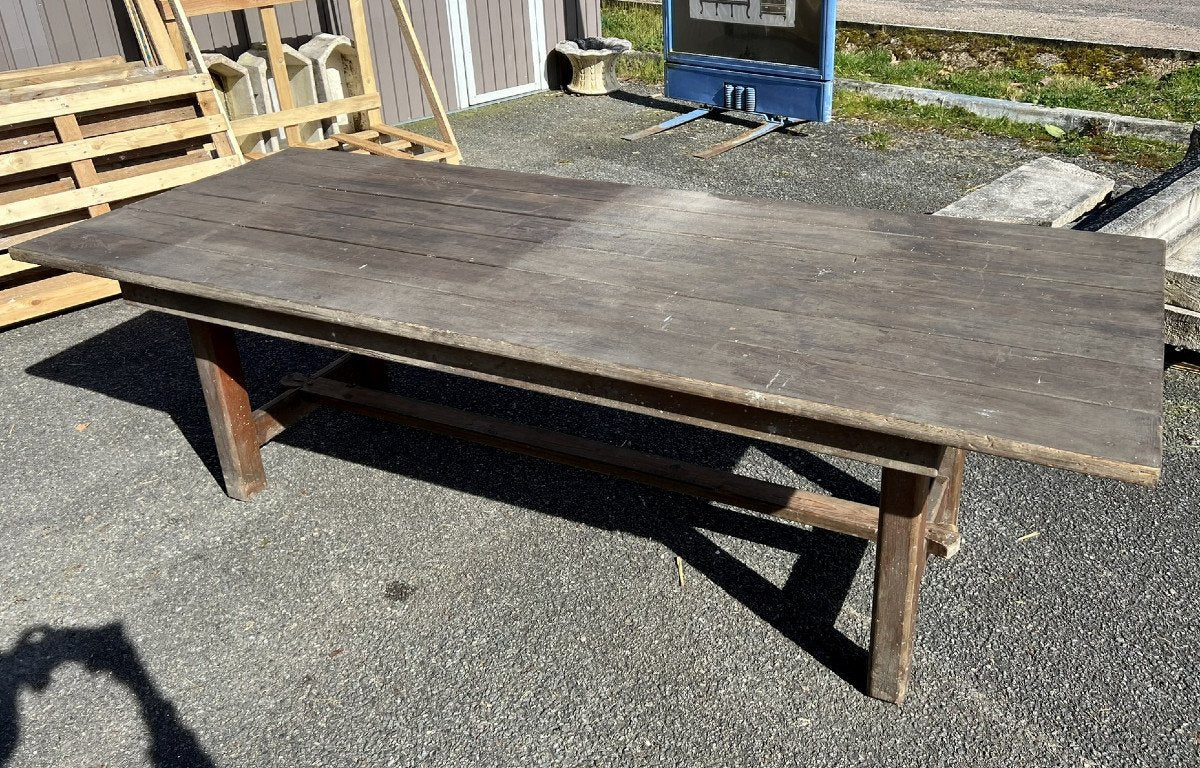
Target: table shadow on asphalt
<point x="31" y="661"/>
<point x="119" y="363"/>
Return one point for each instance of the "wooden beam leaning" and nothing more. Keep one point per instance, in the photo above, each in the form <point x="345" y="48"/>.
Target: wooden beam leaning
<point x="425" y="76"/>
<point x="221" y="377"/>
<point x="768" y="498"/>
<point x="84" y="170"/>
<point x="366" y="63"/>
<point x="279" y="73"/>
<point x="810" y="434"/>
<point x="372" y="147"/>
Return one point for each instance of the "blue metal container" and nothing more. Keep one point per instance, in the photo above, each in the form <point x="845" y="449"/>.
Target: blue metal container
<point x="776" y="55"/>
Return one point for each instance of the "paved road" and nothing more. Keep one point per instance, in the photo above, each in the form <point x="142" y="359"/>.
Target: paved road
<point x="399" y="599"/>
<point x="1154" y="23"/>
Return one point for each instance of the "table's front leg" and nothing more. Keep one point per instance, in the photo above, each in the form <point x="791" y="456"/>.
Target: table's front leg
<point x="899" y="566"/>
<point x="229" y="409"/>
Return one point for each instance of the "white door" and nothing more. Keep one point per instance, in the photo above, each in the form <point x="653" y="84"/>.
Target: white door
<point x="499" y="47"/>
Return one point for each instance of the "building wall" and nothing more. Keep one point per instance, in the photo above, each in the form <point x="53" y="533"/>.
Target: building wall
<point x="39" y="32"/>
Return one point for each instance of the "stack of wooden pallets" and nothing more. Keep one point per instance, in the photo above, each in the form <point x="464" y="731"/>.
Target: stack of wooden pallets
<point x="82" y="138"/>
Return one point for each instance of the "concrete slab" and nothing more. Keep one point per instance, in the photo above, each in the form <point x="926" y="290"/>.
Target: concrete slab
<point x="235" y="88"/>
<point x="300" y="77"/>
<point x="1045" y="193"/>
<point x="1182" y="328"/>
<point x="256" y="70"/>
<point x="337" y="76"/>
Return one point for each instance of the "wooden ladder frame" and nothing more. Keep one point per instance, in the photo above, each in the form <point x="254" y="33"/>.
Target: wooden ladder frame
<point x="169" y="39"/>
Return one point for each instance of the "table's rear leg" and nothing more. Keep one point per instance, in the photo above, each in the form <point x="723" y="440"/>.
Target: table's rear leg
<point x="899" y="566"/>
<point x="229" y="409"/>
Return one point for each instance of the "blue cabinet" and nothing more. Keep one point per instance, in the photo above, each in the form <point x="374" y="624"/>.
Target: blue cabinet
<point x="772" y="57"/>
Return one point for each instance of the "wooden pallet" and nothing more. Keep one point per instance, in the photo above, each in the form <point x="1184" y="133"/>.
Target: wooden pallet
<point x="169" y="39"/>
<point x="82" y="138"/>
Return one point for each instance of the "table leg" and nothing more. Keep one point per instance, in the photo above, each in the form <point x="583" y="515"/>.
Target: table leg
<point x="899" y="566"/>
<point x="229" y="409"/>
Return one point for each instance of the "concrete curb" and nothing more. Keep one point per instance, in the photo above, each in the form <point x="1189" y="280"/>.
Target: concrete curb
<point x="1020" y="112"/>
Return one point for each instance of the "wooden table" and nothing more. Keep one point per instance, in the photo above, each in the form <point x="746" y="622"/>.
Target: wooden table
<point x="899" y="340"/>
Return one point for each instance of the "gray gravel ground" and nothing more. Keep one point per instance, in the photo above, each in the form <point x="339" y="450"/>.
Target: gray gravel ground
<point x="399" y="599"/>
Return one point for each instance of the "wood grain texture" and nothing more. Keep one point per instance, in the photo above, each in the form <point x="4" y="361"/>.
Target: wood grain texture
<point x="899" y="566"/>
<point x="229" y="411"/>
<point x="1041" y="345"/>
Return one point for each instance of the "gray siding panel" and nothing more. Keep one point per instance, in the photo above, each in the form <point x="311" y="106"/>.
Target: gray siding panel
<point x="40" y="32"/>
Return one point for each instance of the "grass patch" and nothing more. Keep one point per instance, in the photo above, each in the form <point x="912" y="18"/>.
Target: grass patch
<point x="641" y="26"/>
<point x="958" y="123"/>
<point x="880" y="140"/>
<point x="643" y="69"/>
<point x="1101" y="78"/>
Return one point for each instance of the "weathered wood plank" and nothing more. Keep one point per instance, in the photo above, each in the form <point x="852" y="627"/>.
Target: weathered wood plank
<point x="764" y="217"/>
<point x="1055" y="372"/>
<point x="838" y="440"/>
<point x="672" y="265"/>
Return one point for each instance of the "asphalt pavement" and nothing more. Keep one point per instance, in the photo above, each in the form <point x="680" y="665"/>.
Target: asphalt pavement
<point x="1149" y="23"/>
<point x="400" y="599"/>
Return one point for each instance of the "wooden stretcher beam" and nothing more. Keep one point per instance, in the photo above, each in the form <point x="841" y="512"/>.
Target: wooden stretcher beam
<point x="776" y="500"/>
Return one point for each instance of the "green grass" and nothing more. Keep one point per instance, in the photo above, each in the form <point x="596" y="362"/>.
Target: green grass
<point x="958" y="123"/>
<point x="1099" y="78"/>
<point x="1080" y="76"/>
<point x="880" y="140"/>
<point x="640" y="26"/>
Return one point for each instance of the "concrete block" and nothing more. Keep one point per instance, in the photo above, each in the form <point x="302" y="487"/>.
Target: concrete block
<point x="300" y="76"/>
<point x="337" y="74"/>
<point x="237" y="93"/>
<point x="256" y="75"/>
<point x="1172" y="215"/>
<point x="1169" y="215"/>
<point x="1045" y="193"/>
<point x="1182" y="328"/>
<point x="1183" y="276"/>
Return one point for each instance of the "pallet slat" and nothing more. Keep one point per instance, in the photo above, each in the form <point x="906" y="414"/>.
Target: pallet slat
<point x="109" y="191"/>
<point x="99" y="146"/>
<point x="103" y="96"/>
<point x="53" y="294"/>
<point x="100" y="134"/>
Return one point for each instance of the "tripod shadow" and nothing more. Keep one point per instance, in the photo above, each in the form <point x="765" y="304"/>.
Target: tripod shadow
<point x="804" y="610"/>
<point x="31" y="662"/>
